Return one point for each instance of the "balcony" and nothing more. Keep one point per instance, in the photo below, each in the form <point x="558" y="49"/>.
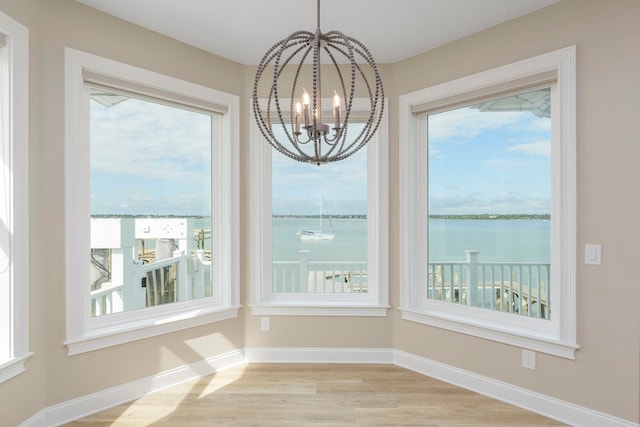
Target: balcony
<point x="303" y="275"/>
<point x="144" y="262"/>
<point x="520" y="288"/>
<point x="141" y="277"/>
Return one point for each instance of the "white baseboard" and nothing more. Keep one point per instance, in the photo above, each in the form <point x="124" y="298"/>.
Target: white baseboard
<point x="566" y="412"/>
<point x="550" y="407"/>
<point x="318" y="355"/>
<point x="99" y="401"/>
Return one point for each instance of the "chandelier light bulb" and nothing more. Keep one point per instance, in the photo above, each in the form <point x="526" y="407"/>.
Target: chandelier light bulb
<point x="305" y="98"/>
<point x="336" y="100"/>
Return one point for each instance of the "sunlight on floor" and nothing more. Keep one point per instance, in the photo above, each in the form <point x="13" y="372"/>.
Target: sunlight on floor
<point x="149" y="410"/>
<point x="223" y="379"/>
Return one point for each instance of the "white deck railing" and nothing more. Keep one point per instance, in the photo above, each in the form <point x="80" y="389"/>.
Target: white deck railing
<point x="515" y="287"/>
<point x="179" y="278"/>
<point x="132" y="284"/>
<point x="522" y="287"/>
<point x="108" y="299"/>
<point x="165" y="280"/>
<point x="318" y="276"/>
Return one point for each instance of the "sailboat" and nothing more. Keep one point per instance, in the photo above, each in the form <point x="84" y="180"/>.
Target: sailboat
<point x="306" y="234"/>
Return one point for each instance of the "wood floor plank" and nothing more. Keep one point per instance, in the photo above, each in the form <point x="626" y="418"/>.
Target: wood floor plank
<point x="329" y="395"/>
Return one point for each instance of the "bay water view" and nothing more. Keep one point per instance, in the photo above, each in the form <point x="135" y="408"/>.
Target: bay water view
<point x="512" y="253"/>
<point x="497" y="240"/>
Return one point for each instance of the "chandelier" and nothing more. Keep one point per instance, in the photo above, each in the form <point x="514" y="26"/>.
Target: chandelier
<point x="301" y="127"/>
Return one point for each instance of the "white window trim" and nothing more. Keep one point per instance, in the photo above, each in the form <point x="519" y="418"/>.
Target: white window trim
<point x="85" y="333"/>
<point x="556" y="336"/>
<point x="373" y="303"/>
<point x="15" y="125"/>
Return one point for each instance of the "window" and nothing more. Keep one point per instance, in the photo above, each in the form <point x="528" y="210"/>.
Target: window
<point x="152" y="194"/>
<point x="14" y="213"/>
<point x="319" y="233"/>
<point x="488" y="204"/>
<point x="150" y="201"/>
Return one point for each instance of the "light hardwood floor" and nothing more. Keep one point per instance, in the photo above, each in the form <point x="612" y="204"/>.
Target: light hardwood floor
<point x="315" y="395"/>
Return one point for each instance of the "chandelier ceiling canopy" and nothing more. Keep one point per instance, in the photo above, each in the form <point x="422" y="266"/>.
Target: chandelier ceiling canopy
<point x="306" y="121"/>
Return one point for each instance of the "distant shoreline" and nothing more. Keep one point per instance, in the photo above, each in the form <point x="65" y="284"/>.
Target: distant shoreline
<point x="146" y="216"/>
<point x="446" y="216"/>
<point x="493" y="216"/>
<point x="461" y="216"/>
<point x="318" y="216"/>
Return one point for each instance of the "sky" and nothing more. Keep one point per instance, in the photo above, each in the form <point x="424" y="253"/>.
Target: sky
<point x="298" y="188"/>
<point x="489" y="163"/>
<point x="150" y="159"/>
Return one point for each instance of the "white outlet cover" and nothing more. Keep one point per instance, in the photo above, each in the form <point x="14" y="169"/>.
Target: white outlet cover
<point x="592" y="254"/>
<point x="265" y="324"/>
<point x="528" y="359"/>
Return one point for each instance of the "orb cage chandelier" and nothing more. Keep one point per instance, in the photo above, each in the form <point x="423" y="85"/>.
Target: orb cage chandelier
<point x="305" y="137"/>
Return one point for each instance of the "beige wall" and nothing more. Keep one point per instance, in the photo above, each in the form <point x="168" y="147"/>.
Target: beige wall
<point x="53" y="377"/>
<point x="604" y="376"/>
<point x="69" y="24"/>
<point x="24" y="395"/>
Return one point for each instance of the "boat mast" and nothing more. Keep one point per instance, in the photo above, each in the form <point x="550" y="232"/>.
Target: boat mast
<point x="321" y="213"/>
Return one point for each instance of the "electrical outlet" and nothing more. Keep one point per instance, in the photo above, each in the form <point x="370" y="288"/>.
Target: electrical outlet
<point x="592" y="254"/>
<point x="265" y="324"/>
<point x="528" y="359"/>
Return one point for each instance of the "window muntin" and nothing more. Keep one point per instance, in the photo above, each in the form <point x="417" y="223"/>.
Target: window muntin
<point x="489" y="204"/>
<point x="556" y="335"/>
<point x="14" y="193"/>
<point x="150" y="202"/>
<point x="371" y="303"/>
<point x="84" y="331"/>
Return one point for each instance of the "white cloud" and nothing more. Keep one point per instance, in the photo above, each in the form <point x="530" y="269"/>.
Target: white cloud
<point x="491" y="162"/>
<point x="511" y="165"/>
<point x="149" y="158"/>
<point x="465" y="123"/>
<point x="540" y="125"/>
<point x="150" y="140"/>
<point x="538" y="148"/>
<point x="297" y="187"/>
<point x="505" y="203"/>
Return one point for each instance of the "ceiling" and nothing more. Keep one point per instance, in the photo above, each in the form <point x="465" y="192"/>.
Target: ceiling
<point x="243" y="30"/>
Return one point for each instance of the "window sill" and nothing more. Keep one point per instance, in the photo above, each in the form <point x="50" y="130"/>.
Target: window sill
<point x="13" y="367"/>
<point x="107" y="337"/>
<point x="486" y="331"/>
<point x="302" y="309"/>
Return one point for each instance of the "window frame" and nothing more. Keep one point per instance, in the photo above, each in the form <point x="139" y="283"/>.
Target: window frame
<point x="373" y="303"/>
<point x="84" y="332"/>
<point x="558" y="335"/>
<point x="14" y="114"/>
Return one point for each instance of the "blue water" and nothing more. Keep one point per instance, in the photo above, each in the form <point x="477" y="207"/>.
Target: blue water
<point x="496" y="240"/>
<point x="350" y="243"/>
<point x="520" y="240"/>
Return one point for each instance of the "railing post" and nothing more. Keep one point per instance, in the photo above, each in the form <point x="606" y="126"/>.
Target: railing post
<point x="184" y="288"/>
<point x="136" y="296"/>
<point x="303" y="282"/>
<point x="472" y="278"/>
<point x="124" y="257"/>
<point x="198" y="274"/>
<point x="122" y="265"/>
